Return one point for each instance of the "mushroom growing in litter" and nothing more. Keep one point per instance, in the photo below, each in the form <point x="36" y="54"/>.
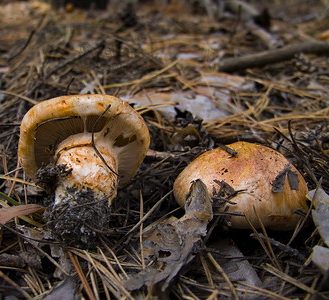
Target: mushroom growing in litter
<point x="259" y="181"/>
<point x="100" y="140"/>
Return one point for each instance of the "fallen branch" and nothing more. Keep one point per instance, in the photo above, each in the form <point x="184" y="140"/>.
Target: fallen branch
<point x="273" y="56"/>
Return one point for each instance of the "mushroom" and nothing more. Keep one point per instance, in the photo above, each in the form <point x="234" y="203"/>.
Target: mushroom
<point x="260" y="181"/>
<point x="100" y="140"/>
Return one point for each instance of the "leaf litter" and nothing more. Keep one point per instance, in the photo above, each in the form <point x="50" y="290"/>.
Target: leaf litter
<point x="173" y="243"/>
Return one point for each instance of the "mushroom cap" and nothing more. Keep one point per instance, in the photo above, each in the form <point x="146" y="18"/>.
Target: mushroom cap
<point x="50" y="122"/>
<point x="252" y="172"/>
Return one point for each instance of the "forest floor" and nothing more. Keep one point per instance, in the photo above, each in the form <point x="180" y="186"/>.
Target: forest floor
<point x="202" y="77"/>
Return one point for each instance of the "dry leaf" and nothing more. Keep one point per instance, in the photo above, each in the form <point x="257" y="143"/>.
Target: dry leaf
<point x="320" y="213"/>
<point x="8" y="213"/>
<point x="293" y="180"/>
<point x="64" y="291"/>
<point x="230" y="258"/>
<point x="173" y="243"/>
<point x="320" y="257"/>
<point x="278" y="183"/>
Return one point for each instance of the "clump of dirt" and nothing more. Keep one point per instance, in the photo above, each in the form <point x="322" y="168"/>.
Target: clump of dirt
<point x="48" y="176"/>
<point x="79" y="220"/>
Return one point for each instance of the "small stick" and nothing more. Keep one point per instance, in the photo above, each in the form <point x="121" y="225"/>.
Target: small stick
<point x="266" y="38"/>
<point x="285" y="277"/>
<point x="282" y="247"/>
<point x="160" y="154"/>
<point x="273" y="56"/>
<point x="29" y="39"/>
<point x="75" y="58"/>
<point x="19" y="96"/>
<point x="224" y="275"/>
<point x="64" y="64"/>
<point x="15" y="285"/>
<point x="155" y="206"/>
<point x="93" y="141"/>
<point x="81" y="275"/>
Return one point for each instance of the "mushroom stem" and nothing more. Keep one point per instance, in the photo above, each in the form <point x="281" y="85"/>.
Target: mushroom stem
<point x="88" y="168"/>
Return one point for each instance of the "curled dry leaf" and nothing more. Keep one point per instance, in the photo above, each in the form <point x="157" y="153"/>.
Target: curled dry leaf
<point x="8" y="213"/>
<point x="173" y="243"/>
<point x="320" y="213"/>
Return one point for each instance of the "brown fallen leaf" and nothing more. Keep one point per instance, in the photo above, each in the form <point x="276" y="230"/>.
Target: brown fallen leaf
<point x="173" y="243"/>
<point x="8" y="213"/>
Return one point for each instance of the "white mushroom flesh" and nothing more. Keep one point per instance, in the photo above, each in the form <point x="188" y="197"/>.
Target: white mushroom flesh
<point x="92" y="166"/>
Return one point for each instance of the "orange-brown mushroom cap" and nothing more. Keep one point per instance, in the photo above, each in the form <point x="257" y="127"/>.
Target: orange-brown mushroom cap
<point x="50" y="122"/>
<point x="252" y="173"/>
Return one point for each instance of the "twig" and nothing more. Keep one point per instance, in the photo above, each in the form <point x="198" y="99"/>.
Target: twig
<point x="19" y="96"/>
<point x="302" y="222"/>
<point x="260" y="291"/>
<point x="93" y="141"/>
<point x="141" y="212"/>
<point x="270" y="249"/>
<point x="224" y="275"/>
<point x="267" y="251"/>
<point x="82" y="276"/>
<point x="29" y="238"/>
<point x="155" y="206"/>
<point x="269" y="268"/>
<point x="267" y="38"/>
<point x="238" y="6"/>
<point x="69" y="85"/>
<point x="65" y="63"/>
<point x="282" y="247"/>
<point x="115" y="258"/>
<point x="138" y="49"/>
<point x="110" y="274"/>
<point x="29" y="39"/>
<point x="69" y="61"/>
<point x="160" y="154"/>
<point x="15" y="285"/>
<point x="273" y="56"/>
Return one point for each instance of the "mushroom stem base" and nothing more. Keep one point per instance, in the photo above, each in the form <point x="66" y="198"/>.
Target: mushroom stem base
<point x="80" y="222"/>
<point x="89" y="170"/>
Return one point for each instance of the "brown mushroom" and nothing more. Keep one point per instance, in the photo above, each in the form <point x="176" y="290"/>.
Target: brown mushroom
<point x="99" y="138"/>
<point x="260" y="181"/>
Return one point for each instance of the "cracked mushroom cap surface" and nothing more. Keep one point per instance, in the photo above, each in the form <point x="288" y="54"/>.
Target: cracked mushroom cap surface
<point x="112" y="122"/>
<point x="258" y="175"/>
